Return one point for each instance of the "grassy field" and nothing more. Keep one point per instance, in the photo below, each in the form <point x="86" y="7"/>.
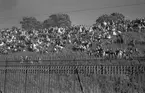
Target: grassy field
<point x="65" y="58"/>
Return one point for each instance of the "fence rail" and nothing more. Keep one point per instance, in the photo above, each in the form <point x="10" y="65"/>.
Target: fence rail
<point x="104" y="69"/>
<point x="48" y="78"/>
<point x="46" y="59"/>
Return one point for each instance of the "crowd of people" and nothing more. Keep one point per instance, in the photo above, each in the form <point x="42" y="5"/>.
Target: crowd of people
<point x="82" y="38"/>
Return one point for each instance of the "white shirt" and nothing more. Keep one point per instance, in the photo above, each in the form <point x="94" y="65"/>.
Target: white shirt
<point x="114" y="33"/>
<point x="2" y="44"/>
<point x="105" y="23"/>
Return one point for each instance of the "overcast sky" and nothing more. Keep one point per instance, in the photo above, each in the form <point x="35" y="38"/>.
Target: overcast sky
<point x="11" y="11"/>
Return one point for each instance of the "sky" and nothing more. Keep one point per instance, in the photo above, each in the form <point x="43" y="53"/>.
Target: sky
<point x="12" y="11"/>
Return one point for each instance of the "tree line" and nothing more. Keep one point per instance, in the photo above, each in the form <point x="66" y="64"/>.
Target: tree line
<point x="63" y="20"/>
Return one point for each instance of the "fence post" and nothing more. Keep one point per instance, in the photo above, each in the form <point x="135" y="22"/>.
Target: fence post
<point x="26" y="79"/>
<point x="49" y="77"/>
<point x="5" y="81"/>
<point x="74" y="85"/>
<point x="95" y="75"/>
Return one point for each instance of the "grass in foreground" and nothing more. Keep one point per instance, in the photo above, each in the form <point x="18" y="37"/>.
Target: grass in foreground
<point x="68" y="83"/>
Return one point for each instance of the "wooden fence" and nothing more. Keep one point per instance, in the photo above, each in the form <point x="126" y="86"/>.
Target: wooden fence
<point x="63" y="78"/>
